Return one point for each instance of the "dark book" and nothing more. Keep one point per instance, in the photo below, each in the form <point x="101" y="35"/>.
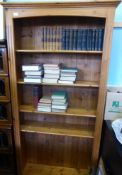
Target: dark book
<point x="70" y="39"/>
<point x="96" y="39"/>
<point x="67" y="38"/>
<point x="2" y="88"/>
<point x="3" y="112"/>
<point x="74" y="45"/>
<point x="36" y="95"/>
<point x="100" y="39"/>
<point x="79" y="39"/>
<point x="93" y="39"/>
<point x="84" y="39"/>
<point x="63" y="44"/>
<point x="88" y="39"/>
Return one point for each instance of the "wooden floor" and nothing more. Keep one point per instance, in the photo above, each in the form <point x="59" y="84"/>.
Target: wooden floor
<point x="37" y="169"/>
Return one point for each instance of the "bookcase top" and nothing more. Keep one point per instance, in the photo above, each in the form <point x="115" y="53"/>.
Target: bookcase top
<point x="61" y="4"/>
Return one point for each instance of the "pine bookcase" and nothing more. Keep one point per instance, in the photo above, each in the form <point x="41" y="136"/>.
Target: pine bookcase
<point x="58" y="143"/>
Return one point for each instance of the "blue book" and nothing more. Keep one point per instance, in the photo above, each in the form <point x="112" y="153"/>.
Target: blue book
<point x="93" y="39"/>
<point x="75" y="31"/>
<point x="63" y="44"/>
<point x="79" y="39"/>
<point x="100" y="39"/>
<point x="96" y="39"/>
<point x="84" y="39"/>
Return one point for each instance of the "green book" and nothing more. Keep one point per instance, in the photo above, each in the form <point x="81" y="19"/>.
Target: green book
<point x="59" y="95"/>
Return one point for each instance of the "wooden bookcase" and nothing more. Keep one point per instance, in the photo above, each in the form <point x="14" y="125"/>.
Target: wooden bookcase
<point x="55" y="143"/>
<point x="6" y="132"/>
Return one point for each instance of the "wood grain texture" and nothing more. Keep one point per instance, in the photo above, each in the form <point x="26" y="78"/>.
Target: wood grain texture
<point x="36" y="169"/>
<point x="76" y="84"/>
<point x="70" y="111"/>
<point x="60" y="51"/>
<point x="51" y="129"/>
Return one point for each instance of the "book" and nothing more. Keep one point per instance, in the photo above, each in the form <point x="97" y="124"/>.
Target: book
<point x="31" y="67"/>
<point x="59" y="95"/>
<point x="34" y="73"/>
<point x="44" y="109"/>
<point x="53" y="76"/>
<point x="32" y="80"/>
<point x="48" y="80"/>
<point x="58" y="110"/>
<point x="45" y="99"/>
<point x="65" y="82"/>
<point x="59" y="106"/>
<point x="68" y="74"/>
<point x="67" y="78"/>
<point x="51" y="65"/>
<point x="57" y="102"/>
<point x="50" y="71"/>
<point x="36" y="95"/>
<point x="62" y="101"/>
<point x="79" y="39"/>
<point x="69" y="69"/>
<point x="33" y="76"/>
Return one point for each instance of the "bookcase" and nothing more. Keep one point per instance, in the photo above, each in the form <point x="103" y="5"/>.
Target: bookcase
<point x="49" y="142"/>
<point x="6" y="134"/>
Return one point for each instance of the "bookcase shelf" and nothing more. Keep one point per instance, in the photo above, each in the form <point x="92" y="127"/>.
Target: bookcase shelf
<point x="36" y="127"/>
<point x="76" y="84"/>
<point x="70" y="112"/>
<point x="72" y="138"/>
<point x="60" y="51"/>
<point x="53" y="170"/>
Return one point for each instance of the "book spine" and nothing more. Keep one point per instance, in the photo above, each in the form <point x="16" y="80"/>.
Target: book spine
<point x="88" y="40"/>
<point x="63" y="47"/>
<point x="93" y="39"/>
<point x="75" y="39"/>
<point x="96" y="39"/>
<point x="84" y="39"/>
<point x="36" y="96"/>
<point x="67" y="39"/>
<point x="79" y="39"/>
<point x="101" y="36"/>
<point x="70" y="38"/>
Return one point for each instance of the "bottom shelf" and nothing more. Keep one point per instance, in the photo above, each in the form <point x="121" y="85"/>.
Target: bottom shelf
<point x="37" y="169"/>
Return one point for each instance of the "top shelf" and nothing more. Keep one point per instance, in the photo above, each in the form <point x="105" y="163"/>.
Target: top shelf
<point x="59" y="51"/>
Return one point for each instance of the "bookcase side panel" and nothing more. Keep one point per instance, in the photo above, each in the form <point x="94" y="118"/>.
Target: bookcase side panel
<point x="103" y="83"/>
<point x="14" y="96"/>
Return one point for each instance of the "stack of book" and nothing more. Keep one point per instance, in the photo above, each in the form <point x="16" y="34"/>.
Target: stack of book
<point x="51" y="73"/>
<point x="44" y="104"/>
<point x="68" y="75"/>
<point x="59" y="101"/>
<point x="32" y="73"/>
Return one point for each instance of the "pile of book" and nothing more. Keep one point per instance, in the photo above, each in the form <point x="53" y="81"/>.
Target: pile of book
<point x="59" y="101"/>
<point x="51" y="73"/>
<point x="32" y="73"/>
<point x="68" y="75"/>
<point x="44" y="104"/>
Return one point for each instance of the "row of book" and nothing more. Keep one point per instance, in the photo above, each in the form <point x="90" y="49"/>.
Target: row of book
<point x="57" y="102"/>
<point x="49" y="73"/>
<point x="65" y="38"/>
